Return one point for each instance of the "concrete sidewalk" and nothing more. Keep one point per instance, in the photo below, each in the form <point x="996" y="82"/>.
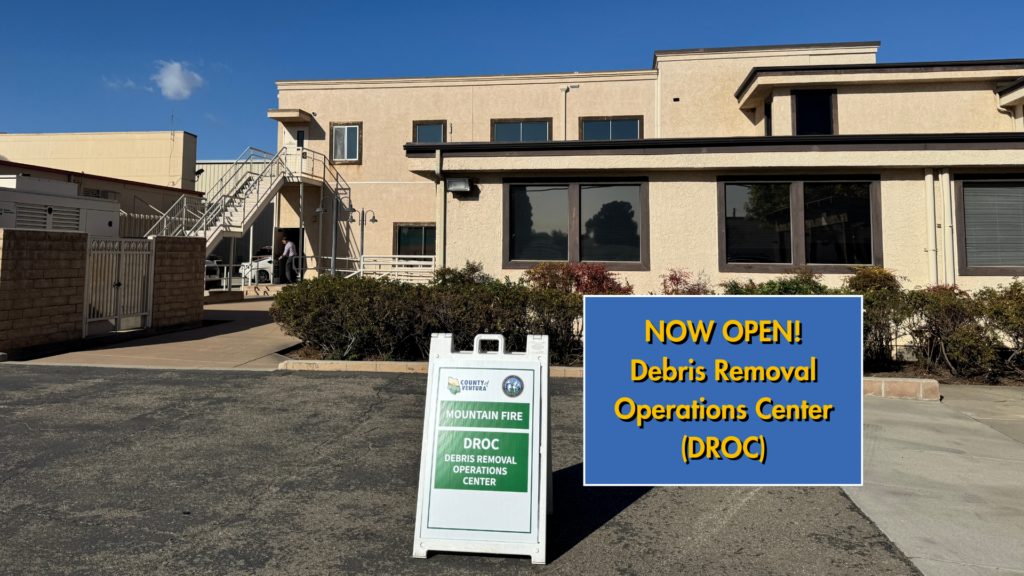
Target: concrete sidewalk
<point x="944" y="482"/>
<point x="242" y="337"/>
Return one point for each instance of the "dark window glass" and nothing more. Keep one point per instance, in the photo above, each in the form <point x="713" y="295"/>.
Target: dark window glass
<point x="813" y="112"/>
<point x="611" y="129"/>
<point x="300" y="141"/>
<point x="416" y="240"/>
<point x="540" y="222"/>
<point x="597" y="130"/>
<point x="520" y="131"/>
<point x="535" y="131"/>
<point x="352" y="143"/>
<point x="994" y="224"/>
<point x="768" y="117"/>
<point x="625" y="129"/>
<point x="430" y="132"/>
<point x="610" y="223"/>
<point x="508" y="132"/>
<point x="757" y="223"/>
<point x="837" y="222"/>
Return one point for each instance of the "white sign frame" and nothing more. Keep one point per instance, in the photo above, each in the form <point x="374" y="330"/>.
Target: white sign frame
<point x="444" y="357"/>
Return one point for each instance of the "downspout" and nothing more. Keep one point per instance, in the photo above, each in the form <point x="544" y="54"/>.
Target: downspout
<point x="933" y="264"/>
<point x="565" y="112"/>
<point x="442" y="217"/>
<point x="947" y="229"/>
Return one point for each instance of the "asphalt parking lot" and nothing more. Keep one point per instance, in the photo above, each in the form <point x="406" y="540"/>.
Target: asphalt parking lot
<point x="129" y="471"/>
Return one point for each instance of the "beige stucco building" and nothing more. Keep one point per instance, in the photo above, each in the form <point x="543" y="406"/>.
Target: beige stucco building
<point x="161" y="158"/>
<point x="738" y="162"/>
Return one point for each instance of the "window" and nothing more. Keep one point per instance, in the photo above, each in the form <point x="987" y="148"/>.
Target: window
<point x="521" y="130"/>
<point x="814" y="112"/>
<point x="772" y="224"/>
<point x="768" y="117"/>
<point x="757" y="223"/>
<point x="415" y="238"/>
<point x="347" y="143"/>
<point x="990" y="225"/>
<point x="429" y="131"/>
<point x="577" y="221"/>
<point x="300" y="139"/>
<point x="612" y="128"/>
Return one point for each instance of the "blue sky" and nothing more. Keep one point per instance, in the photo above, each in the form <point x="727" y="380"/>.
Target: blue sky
<point x="111" y="66"/>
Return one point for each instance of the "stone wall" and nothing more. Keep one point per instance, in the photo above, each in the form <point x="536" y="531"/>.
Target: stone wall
<point x="42" y="287"/>
<point x="178" y="273"/>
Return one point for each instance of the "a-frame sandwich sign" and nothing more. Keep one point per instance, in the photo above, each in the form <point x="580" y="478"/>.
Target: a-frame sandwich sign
<point x="485" y="472"/>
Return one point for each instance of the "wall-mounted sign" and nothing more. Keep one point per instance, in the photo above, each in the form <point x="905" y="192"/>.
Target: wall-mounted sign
<point x="485" y="468"/>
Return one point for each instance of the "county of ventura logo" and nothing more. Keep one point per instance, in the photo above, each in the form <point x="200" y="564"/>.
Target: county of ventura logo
<point x="512" y="386"/>
<point x="455" y="386"/>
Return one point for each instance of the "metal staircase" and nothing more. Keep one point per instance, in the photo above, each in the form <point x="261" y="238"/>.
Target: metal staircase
<point x="234" y="202"/>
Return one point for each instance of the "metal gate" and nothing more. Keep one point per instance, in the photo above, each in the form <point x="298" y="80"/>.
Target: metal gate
<point x="118" y="285"/>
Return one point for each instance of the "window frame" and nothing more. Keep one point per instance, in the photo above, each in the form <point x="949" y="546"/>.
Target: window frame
<point x="418" y="123"/>
<point x="644" y="265"/>
<point x="796" y="226"/>
<point x="835" y="108"/>
<point x="399" y="225"/>
<point x="961" y="225"/>
<point x="359" y="152"/>
<point x="639" y="119"/>
<point x="549" y="120"/>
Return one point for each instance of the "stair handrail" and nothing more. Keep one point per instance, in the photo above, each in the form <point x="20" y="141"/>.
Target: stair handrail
<point x="219" y="206"/>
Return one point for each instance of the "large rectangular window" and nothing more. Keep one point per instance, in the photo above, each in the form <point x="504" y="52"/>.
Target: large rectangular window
<point x="612" y="128"/>
<point x="757" y="223"/>
<point x="814" y="112"/>
<point x="577" y="221"/>
<point x="539" y="220"/>
<point x="837" y="222"/>
<point x="772" y="224"/>
<point x="431" y="131"/>
<point x="521" y="130"/>
<point x="415" y="239"/>
<point x="346" y="143"/>
<point x="990" y="223"/>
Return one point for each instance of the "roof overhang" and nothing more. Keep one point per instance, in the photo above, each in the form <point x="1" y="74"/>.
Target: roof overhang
<point x="760" y="82"/>
<point x="290" y="115"/>
<point x="1012" y="95"/>
<point x="1003" y="149"/>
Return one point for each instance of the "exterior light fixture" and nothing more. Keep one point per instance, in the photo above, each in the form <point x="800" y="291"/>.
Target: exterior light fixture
<point x="457" y="184"/>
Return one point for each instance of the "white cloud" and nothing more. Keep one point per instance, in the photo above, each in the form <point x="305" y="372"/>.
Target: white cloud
<point x="176" y="81"/>
<point x="126" y="84"/>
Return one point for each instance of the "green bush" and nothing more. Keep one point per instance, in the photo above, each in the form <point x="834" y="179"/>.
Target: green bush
<point x="1004" y="312"/>
<point x="886" y="312"/>
<point x="382" y="319"/>
<point x="947" y="329"/>
<point x="796" y="282"/>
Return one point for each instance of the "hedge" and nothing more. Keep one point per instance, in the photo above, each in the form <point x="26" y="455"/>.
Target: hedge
<point x="941" y="326"/>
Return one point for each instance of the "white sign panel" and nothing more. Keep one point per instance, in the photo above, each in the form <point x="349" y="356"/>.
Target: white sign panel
<point x="485" y="468"/>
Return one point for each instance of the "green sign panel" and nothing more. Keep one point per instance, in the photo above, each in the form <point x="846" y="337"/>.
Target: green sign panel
<point x="484" y="415"/>
<point x="493" y="461"/>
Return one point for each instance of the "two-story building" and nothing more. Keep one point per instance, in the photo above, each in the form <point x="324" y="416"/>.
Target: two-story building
<point x="738" y="162"/>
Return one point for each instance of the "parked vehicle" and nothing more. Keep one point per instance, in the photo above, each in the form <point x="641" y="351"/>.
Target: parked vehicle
<point x="260" y="269"/>
<point x="212" y="275"/>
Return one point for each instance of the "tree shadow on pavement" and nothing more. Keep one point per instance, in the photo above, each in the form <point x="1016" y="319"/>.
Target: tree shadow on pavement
<point x="580" y="510"/>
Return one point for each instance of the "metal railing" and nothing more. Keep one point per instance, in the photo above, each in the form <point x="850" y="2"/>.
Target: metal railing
<point x="404" y="268"/>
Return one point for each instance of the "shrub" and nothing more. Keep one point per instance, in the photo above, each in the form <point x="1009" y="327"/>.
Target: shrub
<point x="369" y="318"/>
<point x="576" y="277"/>
<point x="947" y="329"/>
<point x="885" y="313"/>
<point x="682" y="282"/>
<point x="797" y="281"/>
<point x="1004" y="311"/>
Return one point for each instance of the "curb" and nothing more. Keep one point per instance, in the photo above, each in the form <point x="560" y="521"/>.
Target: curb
<point x="911" y="388"/>
<point x="406" y="367"/>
